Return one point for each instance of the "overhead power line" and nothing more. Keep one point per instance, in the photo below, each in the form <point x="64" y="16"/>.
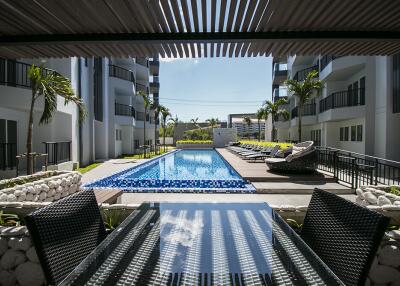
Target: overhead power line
<point x="216" y="101"/>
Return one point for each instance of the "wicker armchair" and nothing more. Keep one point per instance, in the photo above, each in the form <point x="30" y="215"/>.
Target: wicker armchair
<point x="65" y="232"/>
<point x="302" y="160"/>
<point x="344" y="235"/>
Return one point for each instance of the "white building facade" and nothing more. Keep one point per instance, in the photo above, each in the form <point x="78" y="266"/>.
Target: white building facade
<point x="357" y="109"/>
<point x="114" y="123"/>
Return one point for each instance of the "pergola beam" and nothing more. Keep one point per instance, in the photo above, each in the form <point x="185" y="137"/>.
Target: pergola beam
<point x="158" y="38"/>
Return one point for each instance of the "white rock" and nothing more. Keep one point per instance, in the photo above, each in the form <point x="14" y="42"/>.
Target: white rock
<point x="30" y="274"/>
<point x="52" y="184"/>
<point x="3" y="245"/>
<point x="22" y="197"/>
<point x="23" y="243"/>
<point x="63" y="182"/>
<point x="11" y="198"/>
<point x="371" y="198"/>
<point x="30" y="189"/>
<point x="49" y="199"/>
<point x="12" y="258"/>
<point x="383" y="200"/>
<point x="64" y="194"/>
<point x="7" y="278"/>
<point x="37" y="188"/>
<point x="360" y="193"/>
<point x="360" y="201"/>
<point x="390" y="256"/>
<point x="391" y="208"/>
<point x="69" y="181"/>
<point x="45" y="188"/>
<point x="390" y="196"/>
<point x="13" y="231"/>
<point x="380" y="192"/>
<point x="383" y="274"/>
<point x="51" y="192"/>
<point x="57" y="196"/>
<point x="59" y="189"/>
<point x="32" y="255"/>
<point x="35" y="198"/>
<point x="396" y="203"/>
<point x="59" y="182"/>
<point x="368" y="189"/>
<point x="29" y="197"/>
<point x="3" y="197"/>
<point x="18" y="193"/>
<point x="42" y="196"/>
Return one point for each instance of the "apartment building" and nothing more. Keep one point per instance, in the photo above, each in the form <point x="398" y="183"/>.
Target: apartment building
<point x="108" y="86"/>
<point x="357" y="109"/>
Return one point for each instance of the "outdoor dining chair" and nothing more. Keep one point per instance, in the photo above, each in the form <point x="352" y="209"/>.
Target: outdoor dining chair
<point x="344" y="235"/>
<point x="65" y="232"/>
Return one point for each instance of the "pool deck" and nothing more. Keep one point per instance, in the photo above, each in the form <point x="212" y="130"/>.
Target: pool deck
<point x="275" y="189"/>
<point x="258" y="172"/>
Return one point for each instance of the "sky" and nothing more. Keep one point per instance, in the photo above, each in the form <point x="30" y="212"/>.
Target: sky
<point x="214" y="87"/>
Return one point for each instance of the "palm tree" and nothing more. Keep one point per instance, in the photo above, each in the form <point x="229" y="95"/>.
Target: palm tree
<point x="274" y="109"/>
<point x="48" y="85"/>
<point x="247" y="121"/>
<point x="194" y="121"/>
<point x="260" y="115"/>
<point x="157" y="109"/>
<point x="213" y="122"/>
<point x="175" y="121"/>
<point x="147" y="104"/>
<point x="164" y="114"/>
<point x="304" y="91"/>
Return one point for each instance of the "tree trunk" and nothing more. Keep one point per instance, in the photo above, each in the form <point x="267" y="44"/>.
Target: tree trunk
<point x="155" y="132"/>
<point x="299" y="114"/>
<point x="29" y="162"/>
<point x="272" y="130"/>
<point x="164" y="131"/>
<point x="259" y="131"/>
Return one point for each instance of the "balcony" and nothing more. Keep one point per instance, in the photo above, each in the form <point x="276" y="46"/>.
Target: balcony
<point x="143" y="62"/>
<point x="142" y="87"/>
<point x="308" y="110"/>
<point x="121" y="73"/>
<point x="341" y="99"/>
<point x="13" y="73"/>
<point x="154" y="67"/>
<point x="124" y="110"/>
<point x="325" y="60"/>
<point x="279" y="93"/>
<point x="302" y="74"/>
<point x="154" y="85"/>
<point x="279" y="74"/>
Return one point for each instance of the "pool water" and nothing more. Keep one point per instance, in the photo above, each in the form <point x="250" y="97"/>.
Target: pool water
<point x="179" y="171"/>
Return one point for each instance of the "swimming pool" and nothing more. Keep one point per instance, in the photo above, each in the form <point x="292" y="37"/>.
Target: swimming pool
<point x="179" y="171"/>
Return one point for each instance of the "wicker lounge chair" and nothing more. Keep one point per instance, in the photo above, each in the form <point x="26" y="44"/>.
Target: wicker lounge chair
<point x="344" y="235"/>
<point x="263" y="154"/>
<point x="302" y="159"/>
<point x="65" y="232"/>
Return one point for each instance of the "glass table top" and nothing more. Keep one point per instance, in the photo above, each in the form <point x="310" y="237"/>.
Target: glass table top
<point x="202" y="244"/>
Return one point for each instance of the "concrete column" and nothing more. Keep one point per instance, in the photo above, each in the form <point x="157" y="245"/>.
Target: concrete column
<point x="370" y="102"/>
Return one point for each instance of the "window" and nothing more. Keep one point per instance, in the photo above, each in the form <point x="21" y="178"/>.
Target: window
<point x="353" y="133"/>
<point x="396" y="83"/>
<point x="316" y="137"/>
<point x="341" y="134"/>
<point x="136" y="143"/>
<point x="118" y="134"/>
<point x="362" y="90"/>
<point x="359" y="133"/>
<point x="346" y="133"/>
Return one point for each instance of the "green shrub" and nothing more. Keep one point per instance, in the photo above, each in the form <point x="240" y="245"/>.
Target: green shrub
<point x="282" y="145"/>
<point x="194" y="142"/>
<point x="394" y="190"/>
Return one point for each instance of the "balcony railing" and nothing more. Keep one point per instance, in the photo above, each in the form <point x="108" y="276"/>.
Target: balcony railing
<point x="13" y="73"/>
<point x="142" y="62"/>
<point x="308" y="110"/>
<point x="58" y="152"/>
<point x="121" y="73"/>
<point x="142" y="87"/>
<point x="340" y="99"/>
<point x="325" y="60"/>
<point x="8" y="153"/>
<point x="302" y="74"/>
<point x="124" y="110"/>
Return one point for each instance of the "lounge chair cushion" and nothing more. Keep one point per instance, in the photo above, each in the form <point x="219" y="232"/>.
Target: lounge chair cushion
<point x="275" y="160"/>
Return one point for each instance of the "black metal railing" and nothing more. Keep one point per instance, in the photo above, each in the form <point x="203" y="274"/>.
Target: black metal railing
<point x="325" y="60"/>
<point x="121" y="73"/>
<point x="358" y="169"/>
<point x="142" y="87"/>
<point x="142" y="62"/>
<point x="302" y="74"/>
<point x="58" y="152"/>
<point x="307" y="110"/>
<point x="13" y="73"/>
<point x="140" y="116"/>
<point x="8" y="153"/>
<point x="343" y="99"/>
<point x="124" y="110"/>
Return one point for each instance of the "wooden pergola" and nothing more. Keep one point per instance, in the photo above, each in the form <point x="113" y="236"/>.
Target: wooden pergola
<point x="198" y="28"/>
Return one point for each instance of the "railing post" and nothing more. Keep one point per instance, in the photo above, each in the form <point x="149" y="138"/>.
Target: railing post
<point x="376" y="172"/>
<point x="354" y="180"/>
<point x="335" y="166"/>
<point x="55" y="155"/>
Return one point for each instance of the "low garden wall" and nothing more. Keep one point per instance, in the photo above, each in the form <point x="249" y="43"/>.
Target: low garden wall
<point x="194" y="144"/>
<point x="46" y="186"/>
<point x="19" y="264"/>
